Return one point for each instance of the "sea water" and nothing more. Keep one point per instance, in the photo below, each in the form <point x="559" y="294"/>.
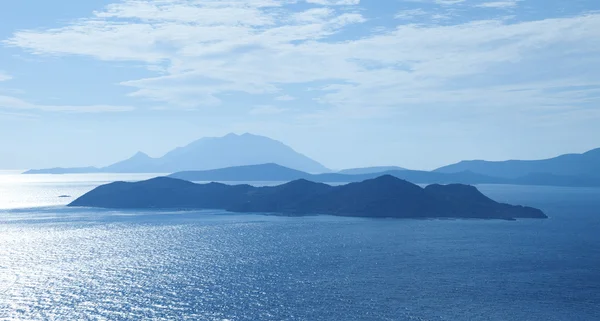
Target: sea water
<point x="87" y="264"/>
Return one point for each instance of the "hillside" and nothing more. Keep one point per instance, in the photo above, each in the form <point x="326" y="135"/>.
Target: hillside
<point x="384" y="196"/>
<point x="207" y="153"/>
<point x="574" y="165"/>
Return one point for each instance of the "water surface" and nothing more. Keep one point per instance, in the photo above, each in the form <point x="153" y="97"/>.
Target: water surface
<point x="63" y="263"/>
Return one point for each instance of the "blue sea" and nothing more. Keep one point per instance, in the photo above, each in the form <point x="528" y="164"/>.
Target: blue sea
<point x="59" y="263"/>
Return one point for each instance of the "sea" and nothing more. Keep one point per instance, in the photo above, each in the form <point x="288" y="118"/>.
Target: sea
<point x="61" y="263"/>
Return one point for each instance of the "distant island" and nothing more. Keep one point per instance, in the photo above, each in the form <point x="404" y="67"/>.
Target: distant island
<point x="207" y="153"/>
<point x="384" y="196"/>
<point x="254" y="158"/>
<point x="566" y="167"/>
<point x="370" y="170"/>
<point x="277" y="173"/>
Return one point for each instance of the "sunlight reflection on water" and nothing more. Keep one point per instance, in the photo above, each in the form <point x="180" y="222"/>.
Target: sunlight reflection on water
<point x="88" y="264"/>
<point x="28" y="191"/>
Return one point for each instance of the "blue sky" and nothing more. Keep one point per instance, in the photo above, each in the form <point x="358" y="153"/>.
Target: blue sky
<point x="414" y="83"/>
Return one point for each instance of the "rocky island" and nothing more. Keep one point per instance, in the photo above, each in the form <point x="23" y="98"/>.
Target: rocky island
<point x="384" y="196"/>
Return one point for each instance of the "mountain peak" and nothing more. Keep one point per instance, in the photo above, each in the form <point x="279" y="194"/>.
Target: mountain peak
<point x="388" y="179"/>
<point x="592" y="152"/>
<point x="140" y="155"/>
<point x="233" y="150"/>
<point x="245" y="135"/>
<point x="371" y="170"/>
<point x="576" y="165"/>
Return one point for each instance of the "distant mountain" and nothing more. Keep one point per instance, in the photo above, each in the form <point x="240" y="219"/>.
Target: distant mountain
<point x="385" y="196"/>
<point x="138" y="163"/>
<point x="277" y="173"/>
<point x="251" y="173"/>
<point x="61" y="170"/>
<point x="570" y="165"/>
<point x="417" y="177"/>
<point x="370" y="170"/>
<point x="234" y="150"/>
<point x="208" y="153"/>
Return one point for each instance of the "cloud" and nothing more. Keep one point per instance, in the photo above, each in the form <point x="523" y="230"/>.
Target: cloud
<point x="285" y="98"/>
<point x="267" y="110"/>
<point x="499" y="4"/>
<point x="335" y="2"/>
<point x="207" y="49"/>
<point x="438" y="2"/>
<point x="4" y="76"/>
<point x="410" y="14"/>
<point x="449" y="2"/>
<point x="6" y="114"/>
<point x="9" y="102"/>
<point x="313" y="15"/>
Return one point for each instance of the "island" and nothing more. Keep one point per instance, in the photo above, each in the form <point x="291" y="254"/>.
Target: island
<point x="276" y="173"/>
<point x="565" y="169"/>
<point x="205" y="154"/>
<point x="382" y="197"/>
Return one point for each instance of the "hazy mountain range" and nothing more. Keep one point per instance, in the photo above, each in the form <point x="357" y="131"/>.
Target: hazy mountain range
<point x="370" y="170"/>
<point x="573" y="165"/>
<point x="277" y="173"/>
<point x="250" y="157"/>
<point x="207" y="153"/>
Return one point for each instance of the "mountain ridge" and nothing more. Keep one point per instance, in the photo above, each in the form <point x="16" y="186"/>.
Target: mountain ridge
<point x="383" y="196"/>
<point x="573" y="165"/>
<point x="207" y="153"/>
<point x="278" y="173"/>
<point x="370" y="170"/>
<point x="275" y="172"/>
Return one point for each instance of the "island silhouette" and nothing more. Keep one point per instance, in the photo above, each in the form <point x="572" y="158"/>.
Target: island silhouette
<point x="249" y="157"/>
<point x="573" y="166"/>
<point x="384" y="196"/>
<point x="207" y="153"/>
<point x="276" y="173"/>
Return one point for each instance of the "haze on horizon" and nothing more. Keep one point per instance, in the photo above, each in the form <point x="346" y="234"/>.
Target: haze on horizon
<point x="349" y="83"/>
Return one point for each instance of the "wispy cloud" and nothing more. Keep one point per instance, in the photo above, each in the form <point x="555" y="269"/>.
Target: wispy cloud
<point x="267" y="110"/>
<point x="13" y="115"/>
<point x="448" y="2"/>
<point x="439" y="2"/>
<point x="285" y="98"/>
<point x="335" y="2"/>
<point x="499" y="4"/>
<point x="421" y="16"/>
<point x="4" y="76"/>
<point x="410" y="14"/>
<point x="212" y="47"/>
<point x="9" y="102"/>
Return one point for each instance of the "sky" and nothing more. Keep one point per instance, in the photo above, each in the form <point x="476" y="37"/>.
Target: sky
<point x="349" y="83"/>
